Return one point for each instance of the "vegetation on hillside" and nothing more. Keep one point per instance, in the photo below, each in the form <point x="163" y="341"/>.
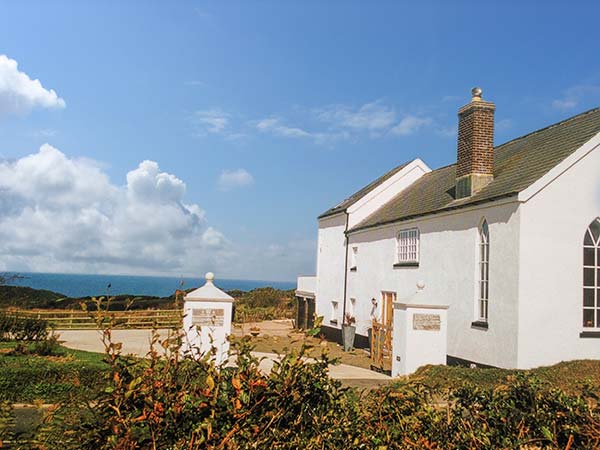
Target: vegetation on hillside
<point x="258" y="304"/>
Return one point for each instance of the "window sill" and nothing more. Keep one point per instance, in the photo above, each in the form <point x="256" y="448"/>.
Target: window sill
<point x="352" y="269"/>
<point x="479" y="324"/>
<point x="590" y="334"/>
<point x="407" y="264"/>
<point x="333" y="322"/>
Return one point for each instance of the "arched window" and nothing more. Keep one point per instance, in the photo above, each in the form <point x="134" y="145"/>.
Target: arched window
<point x="484" y="271"/>
<point x="591" y="276"/>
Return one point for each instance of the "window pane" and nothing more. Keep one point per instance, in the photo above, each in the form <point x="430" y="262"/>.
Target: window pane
<point x="588" y="256"/>
<point x="588" y="277"/>
<point x="588" y="238"/>
<point x="595" y="229"/>
<point x="588" y="297"/>
<point x="588" y="318"/>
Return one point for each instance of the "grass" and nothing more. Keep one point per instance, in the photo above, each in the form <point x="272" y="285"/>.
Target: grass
<point x="570" y="376"/>
<point x="31" y="378"/>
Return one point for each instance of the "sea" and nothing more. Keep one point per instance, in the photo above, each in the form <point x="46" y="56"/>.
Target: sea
<point x="84" y="285"/>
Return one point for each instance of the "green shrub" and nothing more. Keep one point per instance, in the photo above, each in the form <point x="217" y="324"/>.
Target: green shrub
<point x="13" y="327"/>
<point x="26" y="377"/>
<point x="48" y="347"/>
<point x="182" y="403"/>
<point x="7" y="422"/>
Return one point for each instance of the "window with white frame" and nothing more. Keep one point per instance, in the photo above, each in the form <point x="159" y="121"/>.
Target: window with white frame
<point x="591" y="276"/>
<point x="353" y="257"/>
<point x="351" y="307"/>
<point x="484" y="272"/>
<point x="334" y="311"/>
<point x="408" y="246"/>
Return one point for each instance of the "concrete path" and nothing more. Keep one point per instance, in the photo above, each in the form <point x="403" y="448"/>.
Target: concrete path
<point x="137" y="342"/>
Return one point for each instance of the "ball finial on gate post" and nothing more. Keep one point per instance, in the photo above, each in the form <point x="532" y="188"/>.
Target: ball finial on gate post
<point x="209" y="277"/>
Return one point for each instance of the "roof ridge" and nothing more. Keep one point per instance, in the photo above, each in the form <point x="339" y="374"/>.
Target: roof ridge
<point x="547" y="127"/>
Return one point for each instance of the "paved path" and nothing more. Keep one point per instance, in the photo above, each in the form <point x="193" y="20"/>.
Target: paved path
<point x="137" y="342"/>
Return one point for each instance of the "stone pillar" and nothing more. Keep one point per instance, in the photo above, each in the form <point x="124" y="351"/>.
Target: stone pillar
<point x="419" y="336"/>
<point x="207" y="321"/>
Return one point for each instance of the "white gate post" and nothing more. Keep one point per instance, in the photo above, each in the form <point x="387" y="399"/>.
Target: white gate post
<point x="419" y="335"/>
<point x="207" y="319"/>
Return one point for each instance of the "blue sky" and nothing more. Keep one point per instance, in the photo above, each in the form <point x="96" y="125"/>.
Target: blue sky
<point x="255" y="117"/>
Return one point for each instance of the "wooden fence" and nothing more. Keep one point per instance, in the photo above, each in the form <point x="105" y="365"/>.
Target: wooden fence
<point x="74" y="319"/>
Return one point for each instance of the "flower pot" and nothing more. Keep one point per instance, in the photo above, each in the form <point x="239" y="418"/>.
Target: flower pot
<point x="348" y="333"/>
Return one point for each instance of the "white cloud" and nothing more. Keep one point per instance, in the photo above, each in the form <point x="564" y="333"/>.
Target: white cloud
<point x="210" y="121"/>
<point x="410" y="124"/>
<point x="575" y="95"/>
<point x="451" y="131"/>
<point x="503" y="124"/>
<point x="452" y="98"/>
<point x="564" y="104"/>
<point x="20" y="94"/>
<point x="275" y="126"/>
<point x="371" y="116"/>
<point x="45" y="133"/>
<point x="63" y="214"/>
<point x="283" y="260"/>
<point x="231" y="179"/>
<point x="195" y="83"/>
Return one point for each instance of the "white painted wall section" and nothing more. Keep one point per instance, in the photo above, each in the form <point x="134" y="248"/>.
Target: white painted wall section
<point x="330" y="268"/>
<point x="554" y="221"/>
<point x="448" y="265"/>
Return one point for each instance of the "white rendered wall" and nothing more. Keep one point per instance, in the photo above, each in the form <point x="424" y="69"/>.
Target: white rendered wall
<point x="553" y="225"/>
<point x="448" y="267"/>
<point x="331" y="248"/>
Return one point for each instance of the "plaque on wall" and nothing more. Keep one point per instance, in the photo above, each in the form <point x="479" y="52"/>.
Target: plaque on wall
<point x="213" y="317"/>
<point x="428" y="322"/>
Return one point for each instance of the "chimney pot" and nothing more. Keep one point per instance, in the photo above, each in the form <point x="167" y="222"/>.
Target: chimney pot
<point x="476" y="94"/>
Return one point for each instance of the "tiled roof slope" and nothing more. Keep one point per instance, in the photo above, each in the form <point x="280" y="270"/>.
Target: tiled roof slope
<point x="517" y="165"/>
<point x="341" y="207"/>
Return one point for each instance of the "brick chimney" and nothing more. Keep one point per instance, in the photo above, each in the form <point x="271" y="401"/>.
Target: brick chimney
<point x="475" y="163"/>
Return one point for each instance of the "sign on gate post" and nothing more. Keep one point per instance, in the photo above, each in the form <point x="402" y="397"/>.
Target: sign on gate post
<point x="419" y="334"/>
<point x="207" y="319"/>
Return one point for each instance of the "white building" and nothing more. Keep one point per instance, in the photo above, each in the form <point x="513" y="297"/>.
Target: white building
<point x="508" y="238"/>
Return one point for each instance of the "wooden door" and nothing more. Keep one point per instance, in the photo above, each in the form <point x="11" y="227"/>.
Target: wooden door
<point x="381" y="339"/>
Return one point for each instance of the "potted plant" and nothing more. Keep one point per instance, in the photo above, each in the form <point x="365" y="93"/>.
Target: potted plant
<point x="348" y="332"/>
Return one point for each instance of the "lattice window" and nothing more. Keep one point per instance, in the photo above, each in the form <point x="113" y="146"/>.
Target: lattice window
<point x="484" y="271"/>
<point x="591" y="276"/>
<point x="354" y="258"/>
<point x="408" y="246"/>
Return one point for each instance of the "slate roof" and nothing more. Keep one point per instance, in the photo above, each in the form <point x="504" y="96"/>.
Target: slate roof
<point x="341" y="207"/>
<point x="517" y="165"/>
